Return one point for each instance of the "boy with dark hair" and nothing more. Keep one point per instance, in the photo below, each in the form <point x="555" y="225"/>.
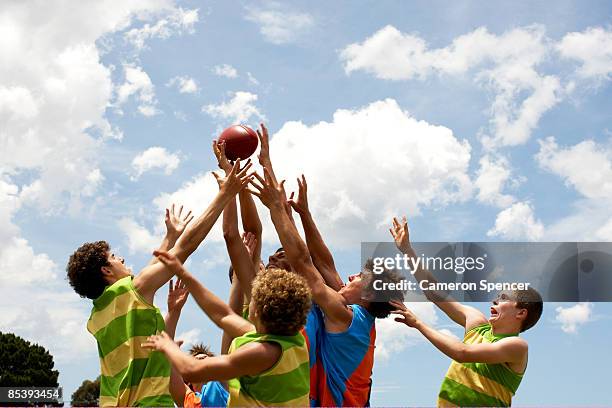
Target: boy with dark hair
<point x="267" y="364"/>
<point x="123" y="313"/>
<point x="489" y="364"/>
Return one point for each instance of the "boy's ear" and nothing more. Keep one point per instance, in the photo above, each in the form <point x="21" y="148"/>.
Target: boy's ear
<point x="106" y="271"/>
<point x="522" y="314"/>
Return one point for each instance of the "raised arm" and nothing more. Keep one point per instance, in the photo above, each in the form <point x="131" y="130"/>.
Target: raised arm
<point x="508" y="350"/>
<point x="251" y="223"/>
<point x="240" y="258"/>
<point x="152" y="277"/>
<point x="328" y="299"/>
<point x="464" y="315"/>
<point x="320" y="253"/>
<point x="175" y="222"/>
<point x="266" y="163"/>
<point x="217" y="310"/>
<point x="177" y="296"/>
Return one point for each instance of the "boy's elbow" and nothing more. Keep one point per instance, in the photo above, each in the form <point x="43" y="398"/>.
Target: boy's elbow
<point x="462" y="354"/>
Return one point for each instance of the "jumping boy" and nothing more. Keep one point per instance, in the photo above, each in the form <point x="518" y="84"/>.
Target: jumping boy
<point x="123" y="313"/>
<point x="489" y="364"/>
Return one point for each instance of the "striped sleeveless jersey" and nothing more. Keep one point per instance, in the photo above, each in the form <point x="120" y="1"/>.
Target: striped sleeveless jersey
<point x="287" y="383"/>
<point x="121" y="319"/>
<point x="479" y="384"/>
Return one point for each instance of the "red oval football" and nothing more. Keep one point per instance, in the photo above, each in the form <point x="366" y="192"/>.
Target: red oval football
<point x="240" y="142"/>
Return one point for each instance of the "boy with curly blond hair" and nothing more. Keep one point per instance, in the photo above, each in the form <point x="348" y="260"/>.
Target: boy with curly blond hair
<point x="267" y="363"/>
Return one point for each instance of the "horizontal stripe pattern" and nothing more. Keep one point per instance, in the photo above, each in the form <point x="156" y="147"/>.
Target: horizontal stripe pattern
<point x="123" y="355"/>
<point x="464" y="375"/>
<point x="479" y="384"/>
<point x="287" y="383"/>
<point x="120" y="321"/>
<point x="453" y="392"/>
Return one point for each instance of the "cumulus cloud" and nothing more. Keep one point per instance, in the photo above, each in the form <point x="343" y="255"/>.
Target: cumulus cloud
<point x="592" y="48"/>
<point x="394" y="337"/>
<point x="586" y="166"/>
<point x="491" y="179"/>
<point x="178" y="21"/>
<point x="411" y="163"/>
<point x="506" y="64"/>
<point x="517" y="222"/>
<point x="225" y="70"/>
<point x="139" y="238"/>
<point x="571" y="318"/>
<point x="184" y="84"/>
<point x="189" y="337"/>
<point x="53" y="128"/>
<point x="239" y="109"/>
<point x="154" y="158"/>
<point x="279" y="25"/>
<point x="138" y="83"/>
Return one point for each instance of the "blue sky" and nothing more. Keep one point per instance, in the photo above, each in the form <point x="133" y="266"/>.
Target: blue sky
<point x="480" y="121"/>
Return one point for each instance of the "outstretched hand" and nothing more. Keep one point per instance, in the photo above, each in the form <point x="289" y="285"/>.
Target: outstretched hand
<point x="236" y="179"/>
<point x="172" y="262"/>
<point x="177" y="295"/>
<point x="249" y="241"/>
<point x="222" y="161"/>
<point x="300" y="205"/>
<point x="407" y="317"/>
<point x="269" y="192"/>
<point x="400" y="234"/>
<point x="264" y="143"/>
<point x="176" y="222"/>
<point x="160" y="342"/>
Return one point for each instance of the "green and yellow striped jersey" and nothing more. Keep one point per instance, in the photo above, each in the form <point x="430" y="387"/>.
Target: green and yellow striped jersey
<point x="286" y="384"/>
<point x="130" y="375"/>
<point x="479" y="384"/>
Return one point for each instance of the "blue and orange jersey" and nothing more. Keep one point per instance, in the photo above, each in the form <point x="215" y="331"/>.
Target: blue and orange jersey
<point x="212" y="394"/>
<point x="341" y="365"/>
<point x="314" y="322"/>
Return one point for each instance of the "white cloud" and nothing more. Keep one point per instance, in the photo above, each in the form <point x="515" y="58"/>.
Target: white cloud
<point x="585" y="166"/>
<point x="492" y="176"/>
<point x="177" y="22"/>
<point x="252" y="79"/>
<point x="184" y="84"/>
<point x="517" y="223"/>
<point x="225" y="70"/>
<point x="393" y="337"/>
<point x="139" y="239"/>
<point x="412" y="163"/>
<point x="138" y="83"/>
<point x="571" y="318"/>
<point x="279" y="25"/>
<point x="592" y="48"/>
<point x="190" y="337"/>
<point x="239" y="109"/>
<point x="154" y="158"/>
<point x="53" y="98"/>
<point x="505" y="63"/>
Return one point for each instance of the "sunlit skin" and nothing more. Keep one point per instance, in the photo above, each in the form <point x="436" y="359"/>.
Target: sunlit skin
<point x="506" y="317"/>
<point x="115" y="269"/>
<point x="197" y="386"/>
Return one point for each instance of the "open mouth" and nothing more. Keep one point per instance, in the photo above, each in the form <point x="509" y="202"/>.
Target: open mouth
<point x="493" y="312"/>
